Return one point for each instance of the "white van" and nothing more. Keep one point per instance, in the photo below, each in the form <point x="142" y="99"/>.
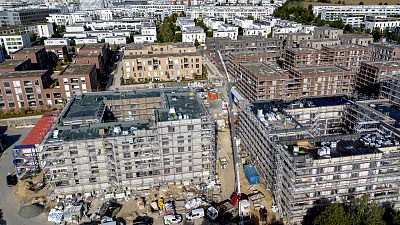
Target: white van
<point x="172" y="219"/>
<point x="195" y="214"/>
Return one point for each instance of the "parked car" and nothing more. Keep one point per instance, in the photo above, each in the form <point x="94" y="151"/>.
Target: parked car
<point x="172" y="219"/>
<point x="11" y="179"/>
<point x="195" y="214"/>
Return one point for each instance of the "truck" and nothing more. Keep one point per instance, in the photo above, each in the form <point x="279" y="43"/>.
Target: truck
<point x="220" y="209"/>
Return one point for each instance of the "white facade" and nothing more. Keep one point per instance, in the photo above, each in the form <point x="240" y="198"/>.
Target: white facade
<point x="88" y="40"/>
<point x="184" y="22"/>
<point x="191" y="34"/>
<point x="226" y="30"/>
<point x="242" y="22"/>
<point x="382" y="23"/>
<point x="68" y="19"/>
<point x="75" y="35"/>
<point x="105" y="14"/>
<point x="118" y="40"/>
<point x="56" y="41"/>
<point x="148" y="29"/>
<point x="354" y="21"/>
<point x="212" y="23"/>
<point x="45" y="30"/>
<point x="144" y="39"/>
<point x="285" y="30"/>
<point x="101" y="35"/>
<point x="74" y="28"/>
<point x="331" y="13"/>
<point x="13" y="43"/>
<point x="229" y="12"/>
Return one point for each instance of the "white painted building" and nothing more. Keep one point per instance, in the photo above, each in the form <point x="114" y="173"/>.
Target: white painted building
<point x="87" y="40"/>
<point x="354" y="21"/>
<point x="191" y="34"/>
<point x="229" y="12"/>
<point x="56" y="41"/>
<point x="148" y="29"/>
<point x="101" y="35"/>
<point x="105" y="14"/>
<point x="143" y="39"/>
<point x="68" y="19"/>
<point x="75" y="35"/>
<point x="45" y="30"/>
<point x="212" y="23"/>
<point x="184" y="22"/>
<point x="285" y="30"/>
<point x="242" y="22"/>
<point x="227" y="30"/>
<point x="372" y="23"/>
<point x="117" y="40"/>
<point x="74" y="28"/>
<point x="13" y="43"/>
<point x="335" y="12"/>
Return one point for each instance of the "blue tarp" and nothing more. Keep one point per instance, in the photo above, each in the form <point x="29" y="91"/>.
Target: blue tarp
<point x="251" y="174"/>
<point x="23" y="146"/>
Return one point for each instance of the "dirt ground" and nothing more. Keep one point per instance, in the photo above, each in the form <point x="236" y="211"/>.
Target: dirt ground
<point x="266" y="201"/>
<point x="25" y="196"/>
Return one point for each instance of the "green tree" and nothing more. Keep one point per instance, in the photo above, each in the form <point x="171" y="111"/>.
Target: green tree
<point x="334" y="214"/>
<point x="240" y="30"/>
<point x="348" y="28"/>
<point x="250" y="17"/>
<point x="376" y="34"/>
<point x="196" y="43"/>
<point x="33" y="37"/>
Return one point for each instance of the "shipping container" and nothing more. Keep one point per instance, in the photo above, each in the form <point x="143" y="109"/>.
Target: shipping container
<point x="251" y="174"/>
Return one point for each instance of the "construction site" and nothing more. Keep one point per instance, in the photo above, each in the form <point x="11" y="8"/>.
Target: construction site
<point x="311" y="152"/>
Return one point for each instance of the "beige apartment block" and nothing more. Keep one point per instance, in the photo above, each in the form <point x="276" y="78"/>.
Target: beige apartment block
<point x="161" y="62"/>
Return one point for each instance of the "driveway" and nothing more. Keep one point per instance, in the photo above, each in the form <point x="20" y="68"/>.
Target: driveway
<point x="9" y="206"/>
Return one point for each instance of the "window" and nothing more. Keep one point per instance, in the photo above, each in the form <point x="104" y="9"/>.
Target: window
<point x="181" y="149"/>
<point x="165" y="151"/>
<point x="179" y="169"/>
<point x="167" y="171"/>
<point x="129" y="175"/>
<point x="171" y="129"/>
<point x="190" y="127"/>
<point x="127" y="155"/>
<point x="92" y="180"/>
<point x="6" y="84"/>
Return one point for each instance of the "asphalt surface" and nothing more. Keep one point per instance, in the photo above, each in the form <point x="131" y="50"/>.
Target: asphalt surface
<point x="9" y="205"/>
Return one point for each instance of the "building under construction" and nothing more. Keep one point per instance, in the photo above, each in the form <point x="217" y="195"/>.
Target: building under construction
<point x="118" y="142"/>
<point x="314" y="151"/>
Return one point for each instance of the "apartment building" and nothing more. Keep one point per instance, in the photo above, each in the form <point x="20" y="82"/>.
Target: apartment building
<point x="90" y="58"/>
<point x="381" y="23"/>
<point x="226" y="30"/>
<point x="77" y="79"/>
<point x="191" y="34"/>
<point x="41" y="29"/>
<point x="9" y="65"/>
<point x="22" y="89"/>
<point x="336" y="12"/>
<point x="347" y="55"/>
<point x="371" y="75"/>
<point x="56" y="42"/>
<point x="225" y="46"/>
<point x="25" y="15"/>
<point x="136" y="140"/>
<point x="116" y="40"/>
<point x="37" y="54"/>
<point x="356" y="39"/>
<point x="385" y="51"/>
<point x="302" y="57"/>
<point x="13" y="42"/>
<point x="327" y="32"/>
<point x="86" y="40"/>
<point x="318" y="43"/>
<point x="56" y="52"/>
<point x="390" y="88"/>
<point x="314" y="152"/>
<point x="68" y="19"/>
<point x="228" y="13"/>
<point x="161" y="62"/>
<point x="102" y="48"/>
<point x="292" y="40"/>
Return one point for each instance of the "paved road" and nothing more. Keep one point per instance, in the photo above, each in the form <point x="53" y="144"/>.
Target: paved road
<point x="8" y="204"/>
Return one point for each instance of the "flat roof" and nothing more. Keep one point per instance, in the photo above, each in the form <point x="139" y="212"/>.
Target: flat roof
<point x="27" y="73"/>
<point x="78" y="69"/>
<point x="346" y="47"/>
<point x="176" y="104"/>
<point x="261" y="69"/>
<point x="29" y="50"/>
<point x="303" y="50"/>
<point x="39" y="131"/>
<point x="144" y="46"/>
<point x="320" y="70"/>
<point x="395" y="64"/>
<point x="391" y="111"/>
<point x="129" y="56"/>
<point x="12" y="63"/>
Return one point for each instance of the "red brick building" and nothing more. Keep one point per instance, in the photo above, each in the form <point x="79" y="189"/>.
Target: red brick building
<point x="77" y="79"/>
<point x="37" y="54"/>
<point x="10" y="65"/>
<point x="90" y="58"/>
<point x="23" y="89"/>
